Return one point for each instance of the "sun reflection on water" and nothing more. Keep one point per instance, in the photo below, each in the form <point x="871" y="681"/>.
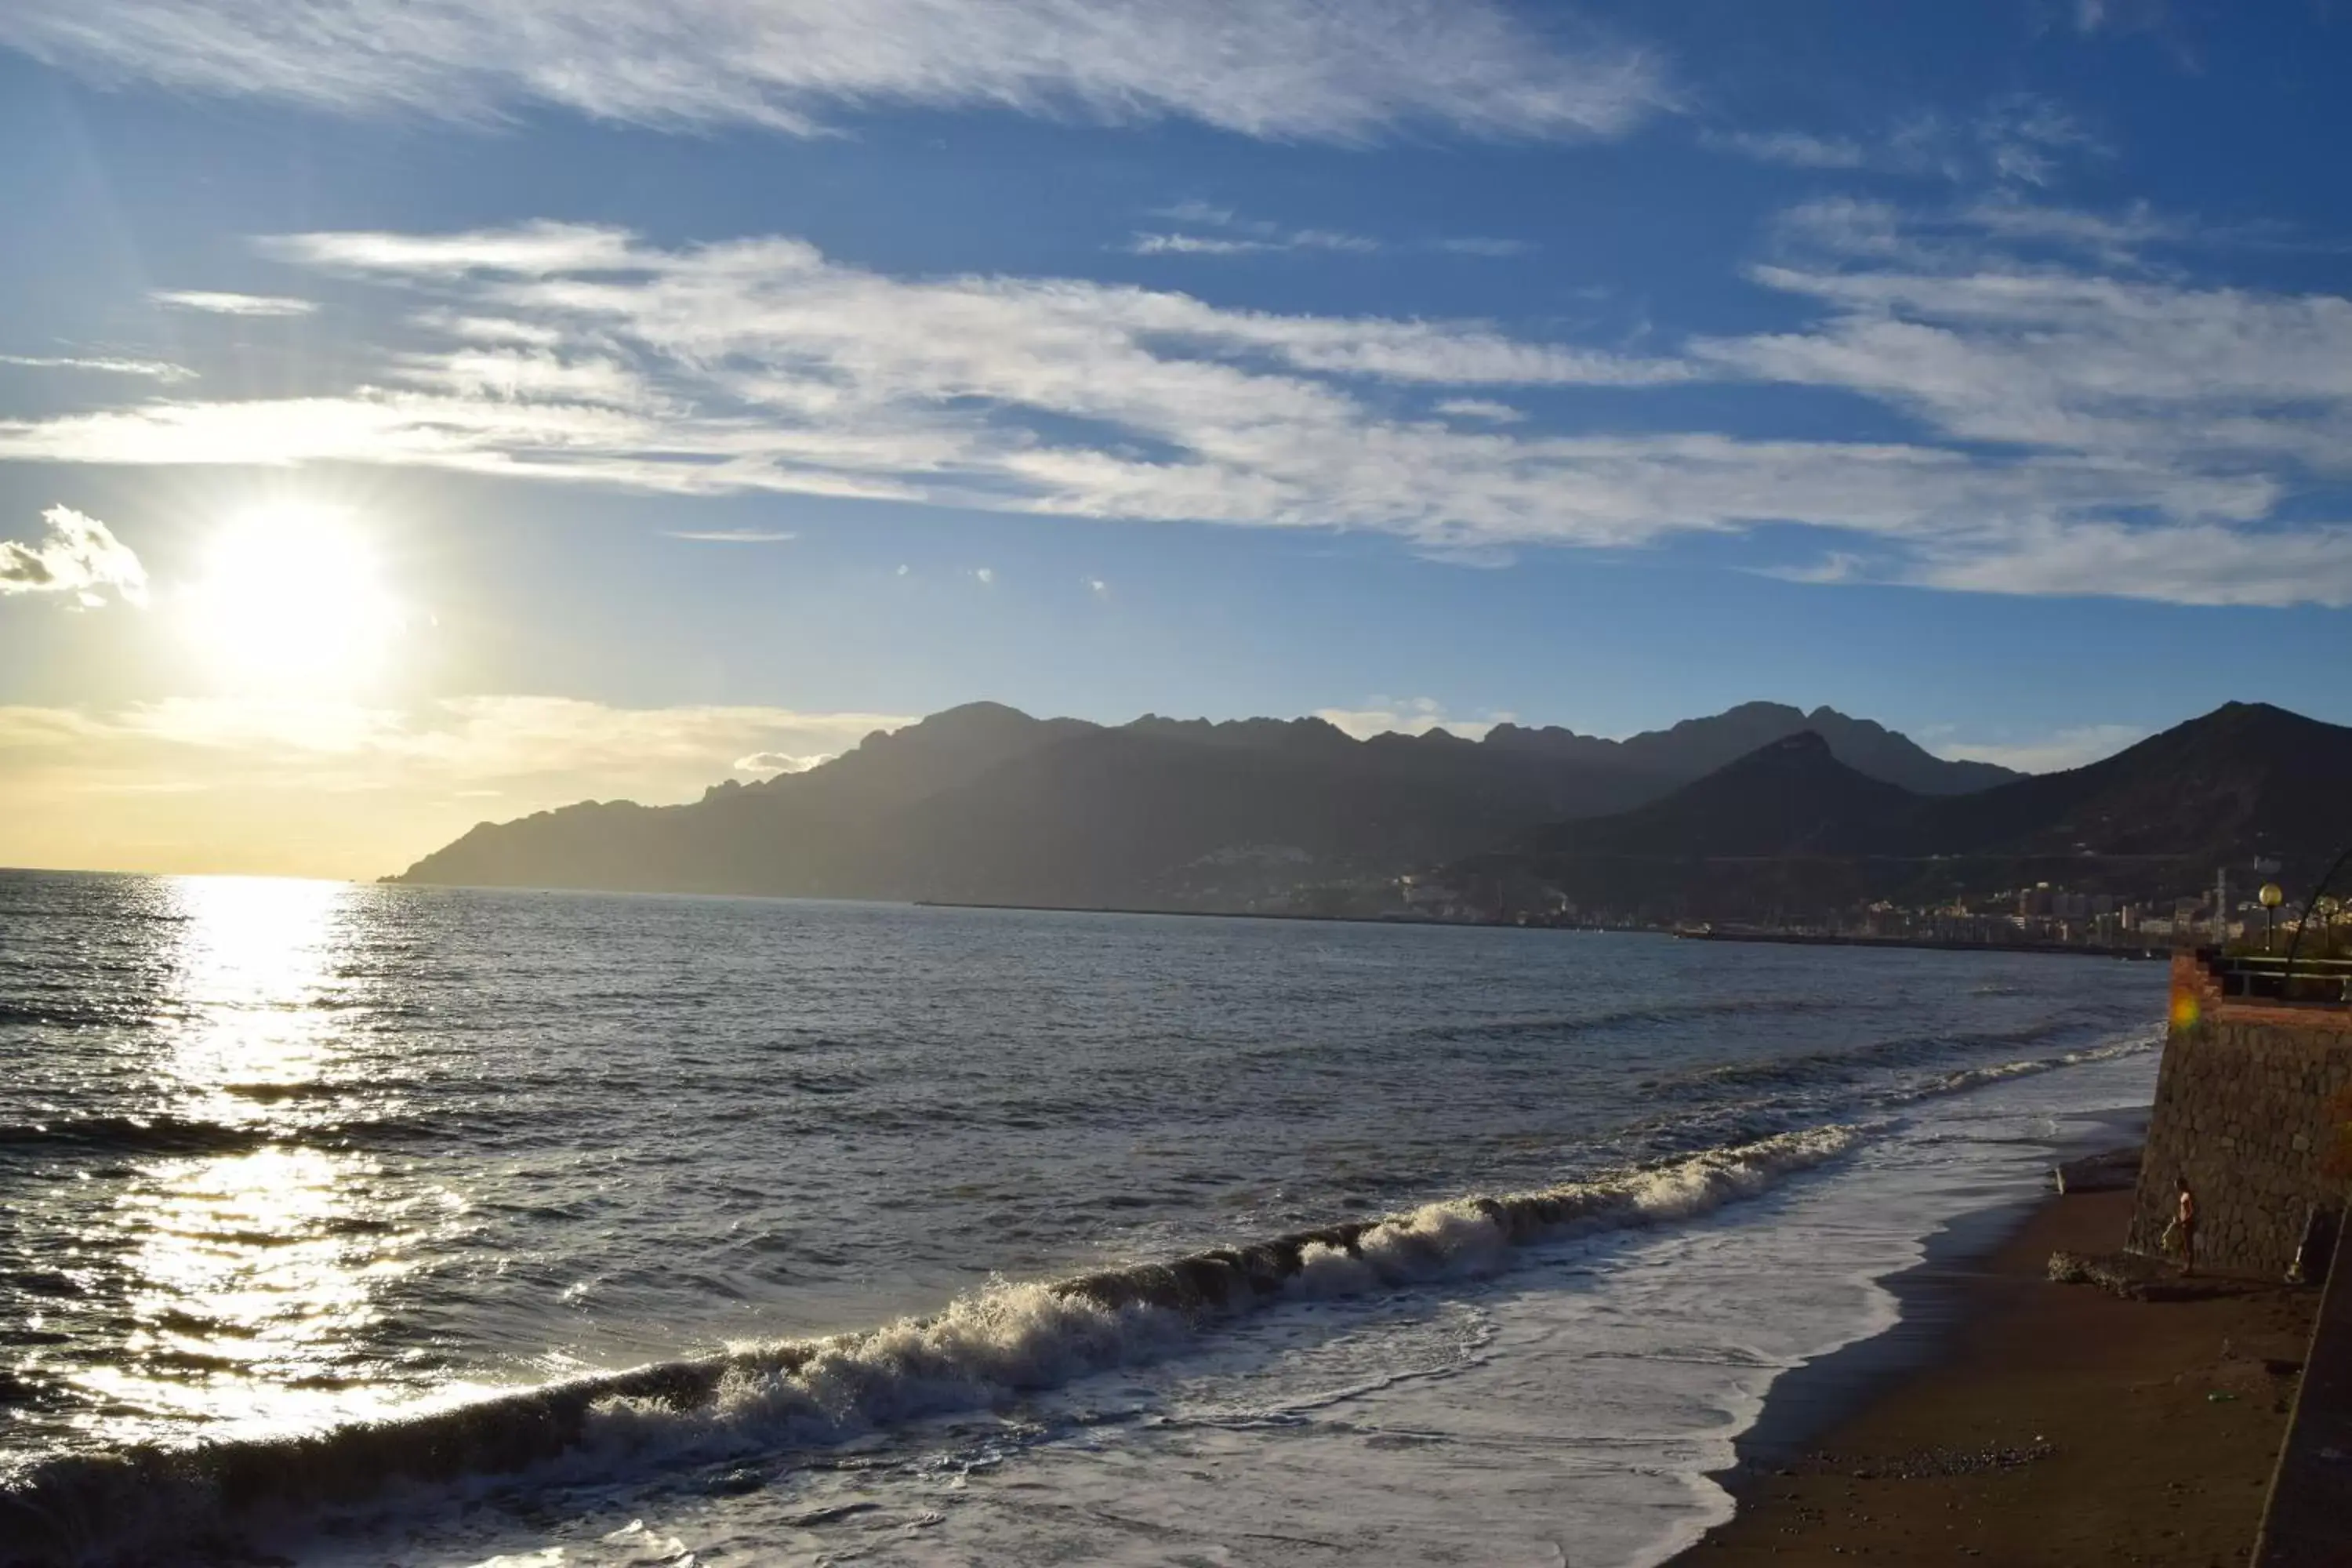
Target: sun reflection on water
<point x="254" y="1273"/>
<point x="258" y="993"/>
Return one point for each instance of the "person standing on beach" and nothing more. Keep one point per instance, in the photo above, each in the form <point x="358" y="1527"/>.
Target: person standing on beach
<point x="2185" y="1221"/>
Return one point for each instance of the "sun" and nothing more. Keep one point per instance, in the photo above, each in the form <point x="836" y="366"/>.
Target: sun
<point x="293" y="598"/>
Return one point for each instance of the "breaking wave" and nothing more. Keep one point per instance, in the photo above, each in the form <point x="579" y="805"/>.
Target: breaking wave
<point x="999" y="1342"/>
<point x="1841" y="1068"/>
<point x="1961" y="1079"/>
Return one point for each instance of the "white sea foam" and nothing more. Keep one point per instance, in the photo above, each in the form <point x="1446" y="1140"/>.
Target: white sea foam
<point x="1522" y="1405"/>
<point x="1014" y="1338"/>
<point x="1003" y="1340"/>
<point x="1472" y="1235"/>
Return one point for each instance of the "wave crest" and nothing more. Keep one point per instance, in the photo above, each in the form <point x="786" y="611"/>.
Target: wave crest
<point x="1007" y="1338"/>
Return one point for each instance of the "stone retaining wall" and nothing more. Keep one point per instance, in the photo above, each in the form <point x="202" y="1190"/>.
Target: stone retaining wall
<point x="2238" y="1112"/>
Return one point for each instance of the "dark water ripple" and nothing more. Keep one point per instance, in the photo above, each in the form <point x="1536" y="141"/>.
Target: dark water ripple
<point x="275" y="1156"/>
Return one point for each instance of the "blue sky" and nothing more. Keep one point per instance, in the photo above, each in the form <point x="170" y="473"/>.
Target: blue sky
<point x="1986" y="370"/>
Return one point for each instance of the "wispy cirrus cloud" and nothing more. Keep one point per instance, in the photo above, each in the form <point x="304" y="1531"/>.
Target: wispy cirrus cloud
<point x="761" y="365"/>
<point x="2025" y="137"/>
<point x="2193" y="564"/>
<point x="103" y="364"/>
<point x="1167" y="244"/>
<point x="1482" y="245"/>
<point x="77" y="556"/>
<point x="1792" y="149"/>
<point x="2119" y="365"/>
<point x="215" y="303"/>
<point x="1482" y="408"/>
<point x="2019" y="139"/>
<point x="1292" y="69"/>
<point x="2082" y="423"/>
<point x="1229" y="233"/>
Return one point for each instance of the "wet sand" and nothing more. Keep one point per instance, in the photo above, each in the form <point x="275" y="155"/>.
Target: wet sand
<point x="2040" y="1423"/>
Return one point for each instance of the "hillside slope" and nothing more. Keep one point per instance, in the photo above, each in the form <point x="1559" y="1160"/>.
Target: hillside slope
<point x="985" y="804"/>
<point x="1791" y="831"/>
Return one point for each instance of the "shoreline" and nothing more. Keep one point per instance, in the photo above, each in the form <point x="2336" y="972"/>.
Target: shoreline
<point x="2135" y="952"/>
<point x="2007" y="1420"/>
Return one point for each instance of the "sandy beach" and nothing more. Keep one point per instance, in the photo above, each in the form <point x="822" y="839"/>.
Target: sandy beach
<point x="2049" y="1424"/>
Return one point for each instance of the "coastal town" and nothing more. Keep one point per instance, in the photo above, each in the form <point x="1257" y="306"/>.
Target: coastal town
<point x="2043" y="916"/>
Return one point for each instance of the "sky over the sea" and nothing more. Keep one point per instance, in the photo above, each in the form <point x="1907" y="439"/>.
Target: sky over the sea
<point x="415" y="413"/>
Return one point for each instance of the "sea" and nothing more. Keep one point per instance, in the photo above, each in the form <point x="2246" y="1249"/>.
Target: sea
<point x="371" y="1224"/>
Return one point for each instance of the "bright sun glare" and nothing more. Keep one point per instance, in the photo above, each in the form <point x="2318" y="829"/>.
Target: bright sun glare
<point x="293" y="597"/>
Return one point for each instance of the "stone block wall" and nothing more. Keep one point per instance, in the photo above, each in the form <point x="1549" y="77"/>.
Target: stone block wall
<point x="2238" y="1112"/>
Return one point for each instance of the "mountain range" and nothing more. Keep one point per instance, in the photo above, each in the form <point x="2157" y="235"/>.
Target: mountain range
<point x="1792" y="829"/>
<point x="985" y="804"/>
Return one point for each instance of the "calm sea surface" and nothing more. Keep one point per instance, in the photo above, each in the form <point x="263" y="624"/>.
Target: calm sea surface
<point x="280" y="1158"/>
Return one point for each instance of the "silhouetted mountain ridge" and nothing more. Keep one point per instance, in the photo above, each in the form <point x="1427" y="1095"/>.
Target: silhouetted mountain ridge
<point x="1790" y="796"/>
<point x="1791" y="830"/>
<point x="986" y="803"/>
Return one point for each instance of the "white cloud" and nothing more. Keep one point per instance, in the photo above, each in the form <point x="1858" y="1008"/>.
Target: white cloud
<point x="1143" y="244"/>
<point x="1098" y="588"/>
<point x="2199" y="565"/>
<point x="2115" y="368"/>
<point x="2154" y="18"/>
<point x="1277" y="68"/>
<point x="2018" y="139"/>
<point x="2050" y="754"/>
<point x="1485" y="408"/>
<point x="773" y="763"/>
<point x="1415" y="716"/>
<point x="77" y="556"/>
<point x="1923" y="145"/>
<point x="527" y="375"/>
<point x="758" y="364"/>
<point x="2024" y="136"/>
<point x="985" y="576"/>
<point x="490" y="330"/>
<point x="2085" y="426"/>
<point x="1796" y="148"/>
<point x="101" y="364"/>
<point x="531" y="250"/>
<point x="219" y="304"/>
<point x="1324" y="239"/>
<point x="732" y="535"/>
<point x="2114" y="235"/>
<point x="1238" y="235"/>
<point x="1483" y="245"/>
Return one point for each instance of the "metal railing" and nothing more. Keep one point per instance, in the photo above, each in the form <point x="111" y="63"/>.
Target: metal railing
<point x="2265" y="977"/>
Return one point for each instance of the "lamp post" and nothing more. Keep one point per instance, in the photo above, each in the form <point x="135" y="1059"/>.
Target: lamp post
<point x="2286" y="975"/>
<point x="2271" y="896"/>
